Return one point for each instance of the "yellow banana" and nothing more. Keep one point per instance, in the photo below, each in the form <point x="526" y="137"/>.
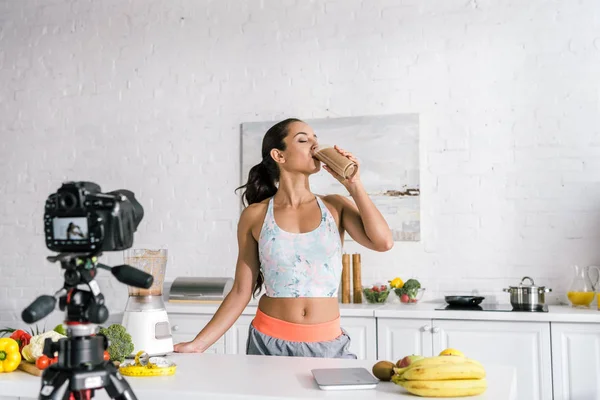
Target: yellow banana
<point x="437" y="360"/>
<point x="452" y="388"/>
<point x="464" y="370"/>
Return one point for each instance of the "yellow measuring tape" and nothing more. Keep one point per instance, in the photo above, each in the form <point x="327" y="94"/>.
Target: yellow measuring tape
<point x="143" y="365"/>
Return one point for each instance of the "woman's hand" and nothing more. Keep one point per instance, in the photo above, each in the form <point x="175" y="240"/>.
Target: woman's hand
<point x="189" y="347"/>
<point x="350" y="182"/>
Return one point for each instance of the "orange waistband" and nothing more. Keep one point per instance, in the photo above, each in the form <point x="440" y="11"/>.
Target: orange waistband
<point x="292" y="332"/>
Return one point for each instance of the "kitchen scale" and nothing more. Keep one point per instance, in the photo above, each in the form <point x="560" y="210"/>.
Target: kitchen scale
<point x="489" y="307"/>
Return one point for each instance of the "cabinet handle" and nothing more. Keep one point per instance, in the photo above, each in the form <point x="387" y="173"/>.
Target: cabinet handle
<point x="175" y="327"/>
<point x="435" y="329"/>
<point x="426" y="328"/>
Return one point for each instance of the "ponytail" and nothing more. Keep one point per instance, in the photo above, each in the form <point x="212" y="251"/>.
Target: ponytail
<point x="264" y="176"/>
<point x="261" y="183"/>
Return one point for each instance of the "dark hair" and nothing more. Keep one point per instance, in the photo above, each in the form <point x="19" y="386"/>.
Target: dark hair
<point x="263" y="177"/>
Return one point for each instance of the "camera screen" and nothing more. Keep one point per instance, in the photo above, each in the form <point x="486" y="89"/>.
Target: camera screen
<point x="70" y="228"/>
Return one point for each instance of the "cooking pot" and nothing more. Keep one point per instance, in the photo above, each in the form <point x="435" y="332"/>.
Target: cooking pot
<point x="527" y="297"/>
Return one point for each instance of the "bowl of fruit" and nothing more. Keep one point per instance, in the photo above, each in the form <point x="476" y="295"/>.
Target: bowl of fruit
<point x="376" y="294"/>
<point x="410" y="292"/>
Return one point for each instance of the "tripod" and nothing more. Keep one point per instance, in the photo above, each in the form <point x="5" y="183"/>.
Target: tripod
<point x="81" y="369"/>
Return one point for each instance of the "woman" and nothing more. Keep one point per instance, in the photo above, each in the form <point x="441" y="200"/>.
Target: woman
<point x="291" y="240"/>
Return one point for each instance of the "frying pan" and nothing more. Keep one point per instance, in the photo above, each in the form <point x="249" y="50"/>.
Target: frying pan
<point x="464" y="301"/>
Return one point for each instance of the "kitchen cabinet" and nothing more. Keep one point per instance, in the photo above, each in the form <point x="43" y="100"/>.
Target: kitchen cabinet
<point x="576" y="360"/>
<point x="524" y="345"/>
<point x="185" y="327"/>
<point x="363" y="336"/>
<point x="237" y="336"/>
<point x="397" y="338"/>
<point x="360" y="329"/>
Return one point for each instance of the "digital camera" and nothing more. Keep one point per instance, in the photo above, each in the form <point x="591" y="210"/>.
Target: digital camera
<point x="80" y="218"/>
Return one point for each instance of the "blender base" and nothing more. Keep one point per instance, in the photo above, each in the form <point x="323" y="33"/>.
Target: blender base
<point x="150" y="331"/>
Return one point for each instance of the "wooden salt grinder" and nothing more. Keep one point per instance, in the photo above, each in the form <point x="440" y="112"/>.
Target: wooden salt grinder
<point x="356" y="278"/>
<point x="345" y="278"/>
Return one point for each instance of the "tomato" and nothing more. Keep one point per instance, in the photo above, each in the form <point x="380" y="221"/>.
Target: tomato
<point x="375" y="289"/>
<point x="404" y="298"/>
<point x="106" y="356"/>
<point x="42" y="362"/>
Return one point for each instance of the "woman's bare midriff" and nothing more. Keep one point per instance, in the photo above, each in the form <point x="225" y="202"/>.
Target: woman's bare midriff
<point x="301" y="310"/>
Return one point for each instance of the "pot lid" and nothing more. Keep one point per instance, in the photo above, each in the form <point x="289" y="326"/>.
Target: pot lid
<point x="532" y="286"/>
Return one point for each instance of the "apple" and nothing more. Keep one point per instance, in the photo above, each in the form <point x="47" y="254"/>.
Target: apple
<point x="404" y="298"/>
<point x="406" y="361"/>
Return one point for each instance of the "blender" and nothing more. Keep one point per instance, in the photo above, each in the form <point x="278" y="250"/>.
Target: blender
<point x="145" y="317"/>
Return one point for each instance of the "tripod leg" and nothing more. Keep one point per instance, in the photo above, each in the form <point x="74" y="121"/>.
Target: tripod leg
<point x="55" y="385"/>
<point x="117" y="387"/>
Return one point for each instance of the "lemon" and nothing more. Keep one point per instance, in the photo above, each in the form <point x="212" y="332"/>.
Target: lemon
<point x="451" y="352"/>
<point x="396" y="283"/>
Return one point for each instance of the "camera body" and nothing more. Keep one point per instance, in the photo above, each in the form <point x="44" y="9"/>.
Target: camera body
<point x="80" y="218"/>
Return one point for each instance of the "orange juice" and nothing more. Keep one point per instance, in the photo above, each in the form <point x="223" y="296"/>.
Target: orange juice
<point x="581" y="298"/>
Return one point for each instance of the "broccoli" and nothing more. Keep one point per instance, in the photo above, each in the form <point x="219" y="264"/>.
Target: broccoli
<point x="120" y="344"/>
<point x="411" y="288"/>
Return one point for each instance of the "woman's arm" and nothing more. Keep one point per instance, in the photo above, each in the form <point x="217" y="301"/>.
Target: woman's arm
<point x="362" y="220"/>
<point x="245" y="277"/>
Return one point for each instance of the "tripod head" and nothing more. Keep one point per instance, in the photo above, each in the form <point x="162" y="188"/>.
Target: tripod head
<point x="83" y="306"/>
<point x="81" y="368"/>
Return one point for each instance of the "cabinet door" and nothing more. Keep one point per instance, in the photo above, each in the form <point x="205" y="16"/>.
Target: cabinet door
<point x="397" y="338"/>
<point x="363" y="337"/>
<point x="185" y="327"/>
<point x="523" y="345"/>
<point x="576" y="361"/>
<point x="237" y="335"/>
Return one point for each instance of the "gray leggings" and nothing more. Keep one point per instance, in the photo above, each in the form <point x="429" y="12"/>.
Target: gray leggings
<point x="260" y="344"/>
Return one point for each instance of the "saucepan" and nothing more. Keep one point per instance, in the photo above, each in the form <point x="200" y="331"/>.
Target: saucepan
<point x="463" y="301"/>
<point x="527" y="297"/>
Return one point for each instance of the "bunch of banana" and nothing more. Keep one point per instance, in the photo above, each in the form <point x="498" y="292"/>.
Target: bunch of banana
<point x="442" y="376"/>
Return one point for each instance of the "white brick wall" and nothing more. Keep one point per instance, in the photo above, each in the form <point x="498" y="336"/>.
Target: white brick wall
<point x="149" y="96"/>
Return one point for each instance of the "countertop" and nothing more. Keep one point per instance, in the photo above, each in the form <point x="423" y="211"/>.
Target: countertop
<point x="219" y="376"/>
<point x="426" y="310"/>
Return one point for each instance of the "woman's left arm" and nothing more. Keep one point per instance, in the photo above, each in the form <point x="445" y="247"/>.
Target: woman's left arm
<point x="362" y="220"/>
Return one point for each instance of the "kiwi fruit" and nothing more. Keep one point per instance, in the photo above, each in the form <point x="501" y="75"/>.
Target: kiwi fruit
<point x="383" y="370"/>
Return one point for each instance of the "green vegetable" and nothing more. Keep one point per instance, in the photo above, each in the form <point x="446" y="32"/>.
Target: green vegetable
<point x="120" y="344"/>
<point x="411" y="288"/>
<point x="376" y="296"/>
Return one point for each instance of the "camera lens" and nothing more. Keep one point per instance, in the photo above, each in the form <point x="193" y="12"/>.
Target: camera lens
<point x="67" y="201"/>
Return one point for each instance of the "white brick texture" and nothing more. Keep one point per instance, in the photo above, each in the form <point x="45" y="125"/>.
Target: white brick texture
<point x="149" y="96"/>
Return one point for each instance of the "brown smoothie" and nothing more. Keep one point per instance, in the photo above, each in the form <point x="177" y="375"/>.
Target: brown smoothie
<point x="341" y="165"/>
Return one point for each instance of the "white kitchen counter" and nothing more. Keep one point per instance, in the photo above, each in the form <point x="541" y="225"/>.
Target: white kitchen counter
<point x="346" y="310"/>
<point x="428" y="311"/>
<point x="217" y="376"/>
<point x="556" y="313"/>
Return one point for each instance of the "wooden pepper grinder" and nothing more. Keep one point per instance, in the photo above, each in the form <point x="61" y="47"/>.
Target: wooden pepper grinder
<point x="356" y="279"/>
<point x="346" y="278"/>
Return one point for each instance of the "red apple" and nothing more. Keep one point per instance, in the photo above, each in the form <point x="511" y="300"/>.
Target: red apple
<point x="406" y="361"/>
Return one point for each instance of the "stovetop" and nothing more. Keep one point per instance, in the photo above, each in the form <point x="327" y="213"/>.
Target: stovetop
<point x="488" y="307"/>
